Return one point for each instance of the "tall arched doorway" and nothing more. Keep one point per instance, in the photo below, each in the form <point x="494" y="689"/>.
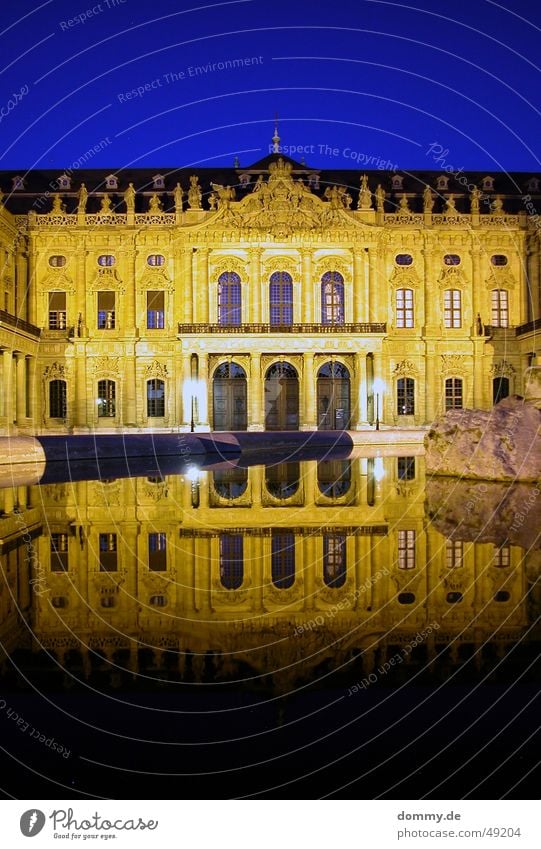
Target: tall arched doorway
<point x="500" y="389"/>
<point x="333" y="394"/>
<point x="229" y="398"/>
<point x="281" y="397"/>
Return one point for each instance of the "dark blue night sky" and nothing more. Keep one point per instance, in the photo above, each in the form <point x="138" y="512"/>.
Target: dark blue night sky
<point x="356" y="83"/>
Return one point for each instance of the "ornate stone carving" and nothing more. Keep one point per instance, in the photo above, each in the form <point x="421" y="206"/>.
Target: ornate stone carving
<point x="58" y="281"/>
<point x="405" y="368"/>
<point x="156" y="278"/>
<point x="502" y="369"/>
<point x="454" y="364"/>
<point x="56" y="371"/>
<point x="195" y="194"/>
<point x="105" y="366"/>
<point x="501" y="278"/>
<point x="404" y="278"/>
<point x="107" y="278"/>
<point x="334" y="263"/>
<point x="222" y="264"/>
<point x="156" y="369"/>
<point x="288" y="264"/>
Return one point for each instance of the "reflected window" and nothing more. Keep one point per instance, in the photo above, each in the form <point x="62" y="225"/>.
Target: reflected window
<point x="108" y="552"/>
<point x="281" y="298"/>
<point x="502" y="595"/>
<point x="155" y="398"/>
<point x="59" y="553"/>
<point x="231" y="561"/>
<point x="57" y="311"/>
<point x="452" y="308"/>
<point x="454" y="553"/>
<point x="59" y="601"/>
<point x="157" y="552"/>
<point x="230" y="483"/>
<point x="405" y="396"/>
<point x="502" y="556"/>
<point x="282" y="479"/>
<point x="453" y="393"/>
<point x="454" y="598"/>
<point x="334" y="560"/>
<point x="405" y="468"/>
<point x="106" y="398"/>
<point x="58" y="399"/>
<point x="500" y="308"/>
<point x="332" y="298"/>
<point x="283" y="559"/>
<point x="406" y="598"/>
<point x="334" y="477"/>
<point x="158" y="600"/>
<point x="155" y="310"/>
<point x="108" y="601"/>
<point x="404" y="307"/>
<point x="406" y="549"/>
<point x="229" y="298"/>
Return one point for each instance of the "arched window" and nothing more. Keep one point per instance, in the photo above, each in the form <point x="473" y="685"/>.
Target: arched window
<point x="500" y="388"/>
<point x="281" y="298"/>
<point x="452" y="308"/>
<point x="281" y="397"/>
<point x="453" y="393"/>
<point x="229" y="397"/>
<point x="404" y="307"/>
<point x="155" y="398"/>
<point x="230" y="483"/>
<point x="334" y="560"/>
<point x="282" y="479"/>
<point x="334" y="477"/>
<point x="106" y="398"/>
<point x="405" y="396"/>
<point x="500" y="308"/>
<point x="229" y="298"/>
<point x="332" y="298"/>
<point x="333" y="396"/>
<point x="231" y="561"/>
<point x="283" y="559"/>
<point x="58" y="399"/>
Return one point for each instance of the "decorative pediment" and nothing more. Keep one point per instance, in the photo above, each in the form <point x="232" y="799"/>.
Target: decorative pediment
<point x="56" y="371"/>
<point x="105" y="366"/>
<point x="156" y="278"/>
<point x="282" y="206"/>
<point x="289" y="264"/>
<point x="406" y="580"/>
<point x="452" y="277"/>
<point x="501" y="278"/>
<point x="405" y="368"/>
<point x="107" y="278"/>
<point x="223" y="264"/>
<point x="58" y="281"/>
<point x="156" y="369"/>
<point x="404" y="278"/>
<point x="334" y="263"/>
<point x="454" y="364"/>
<point x="502" y="369"/>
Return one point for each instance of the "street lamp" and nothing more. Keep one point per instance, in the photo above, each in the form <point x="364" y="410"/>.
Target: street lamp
<point x="379" y="388"/>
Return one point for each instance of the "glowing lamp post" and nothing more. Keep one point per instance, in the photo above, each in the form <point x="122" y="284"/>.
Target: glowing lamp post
<point x="379" y="389"/>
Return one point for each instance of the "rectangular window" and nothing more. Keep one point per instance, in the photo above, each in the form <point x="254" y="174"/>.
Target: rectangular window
<point x="231" y="561"/>
<point x="405" y="396"/>
<point x="453" y="308"/>
<point x="406" y="549"/>
<point x="502" y="556"/>
<point x="404" y="307"/>
<point x="500" y="308"/>
<point x="454" y="551"/>
<point x="108" y="553"/>
<point x="106" y="398"/>
<point x="453" y="393"/>
<point x="157" y="552"/>
<point x="59" y="552"/>
<point x="106" y="311"/>
<point x="406" y="468"/>
<point x="283" y="559"/>
<point x="58" y="406"/>
<point x="57" y="311"/>
<point x="155" y="310"/>
<point x="334" y="560"/>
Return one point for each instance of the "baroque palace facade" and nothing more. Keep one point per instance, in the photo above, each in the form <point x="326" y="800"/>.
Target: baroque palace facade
<point x="269" y="297"/>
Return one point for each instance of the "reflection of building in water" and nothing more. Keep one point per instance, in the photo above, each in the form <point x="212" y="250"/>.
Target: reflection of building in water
<point x="141" y="300"/>
<point x="267" y="570"/>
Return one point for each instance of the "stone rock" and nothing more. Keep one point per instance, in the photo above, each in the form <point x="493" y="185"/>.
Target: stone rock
<point x="501" y="444"/>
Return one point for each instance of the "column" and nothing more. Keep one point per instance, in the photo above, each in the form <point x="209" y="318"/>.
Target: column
<point x="307" y="293"/>
<point x="185" y="287"/>
<point x="429" y="314"/>
<point x="477" y="301"/>
<point x="310" y="566"/>
<point x="359" y="287"/>
<point x="32" y="390"/>
<point x="31" y="287"/>
<point x="20" y="397"/>
<point x="202" y="392"/>
<point x="360" y="393"/>
<point x="375" y="314"/>
<point x="255" y="564"/>
<point x="130" y="390"/>
<point x="7" y="361"/>
<point x="255" y="401"/>
<point x="309" y="482"/>
<point x="200" y="286"/>
<point x="255" y="477"/>
<point x="533" y="292"/>
<point x="81" y="400"/>
<point x="185" y="388"/>
<point x="309" y="415"/>
<point x="433" y="392"/>
<point x="128" y="320"/>
<point x="253" y="314"/>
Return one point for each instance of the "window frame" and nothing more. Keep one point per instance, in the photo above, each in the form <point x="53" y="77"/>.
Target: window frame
<point x="452" y="309"/>
<point x="406" y="545"/>
<point x="404" y="309"/>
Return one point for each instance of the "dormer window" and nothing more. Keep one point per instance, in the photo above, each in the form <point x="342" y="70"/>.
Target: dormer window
<point x="487" y="184"/>
<point x="313" y="181"/>
<point x="442" y="183"/>
<point x="64" y="182"/>
<point x="18" y="184"/>
<point x="244" y="179"/>
<point x="533" y="184"/>
<point x="111" y="182"/>
<point x="158" y="182"/>
<point x="396" y="183"/>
